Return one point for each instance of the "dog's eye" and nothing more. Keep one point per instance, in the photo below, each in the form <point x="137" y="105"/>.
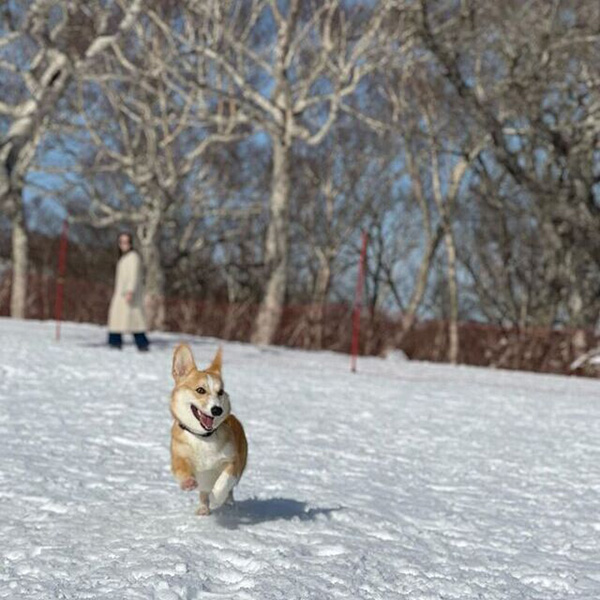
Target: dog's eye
<point x="220" y="392"/>
<point x="200" y="390"/>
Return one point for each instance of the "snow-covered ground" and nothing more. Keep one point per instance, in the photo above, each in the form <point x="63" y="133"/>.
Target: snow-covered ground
<point x="405" y="480"/>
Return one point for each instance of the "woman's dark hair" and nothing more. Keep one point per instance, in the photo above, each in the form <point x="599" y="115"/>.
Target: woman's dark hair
<point x="130" y="242"/>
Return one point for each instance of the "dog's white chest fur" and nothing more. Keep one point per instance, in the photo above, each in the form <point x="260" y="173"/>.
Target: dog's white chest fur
<point x="210" y="453"/>
<point x="208" y="457"/>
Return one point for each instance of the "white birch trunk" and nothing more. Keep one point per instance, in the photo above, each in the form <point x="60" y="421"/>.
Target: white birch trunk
<point x="410" y="314"/>
<point x="20" y="262"/>
<point x="276" y="250"/>
<point x="317" y="311"/>
<point x="452" y="292"/>
<point x="154" y="277"/>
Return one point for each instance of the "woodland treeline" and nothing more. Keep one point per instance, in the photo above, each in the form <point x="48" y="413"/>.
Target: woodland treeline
<point x="247" y="143"/>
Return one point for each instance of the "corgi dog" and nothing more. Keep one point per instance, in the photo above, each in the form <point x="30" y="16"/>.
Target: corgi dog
<point x="208" y="444"/>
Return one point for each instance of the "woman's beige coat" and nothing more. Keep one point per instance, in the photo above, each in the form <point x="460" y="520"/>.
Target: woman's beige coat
<point x="125" y="317"/>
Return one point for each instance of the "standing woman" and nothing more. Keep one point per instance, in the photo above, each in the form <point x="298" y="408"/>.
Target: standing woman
<point x="126" y="313"/>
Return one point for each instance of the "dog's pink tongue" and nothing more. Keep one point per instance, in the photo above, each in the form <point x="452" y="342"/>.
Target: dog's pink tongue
<point x="207" y="421"/>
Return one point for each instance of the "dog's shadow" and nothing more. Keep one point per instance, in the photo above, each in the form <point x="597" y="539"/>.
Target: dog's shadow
<point x="256" y="510"/>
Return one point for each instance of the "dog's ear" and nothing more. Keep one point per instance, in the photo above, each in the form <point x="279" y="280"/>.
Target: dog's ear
<point x="183" y="362"/>
<point x="215" y="365"/>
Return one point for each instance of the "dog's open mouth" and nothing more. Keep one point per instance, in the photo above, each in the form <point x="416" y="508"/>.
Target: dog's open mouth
<point x="205" y="420"/>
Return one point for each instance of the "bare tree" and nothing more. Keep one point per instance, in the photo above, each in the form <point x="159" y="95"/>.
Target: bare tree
<point x="59" y="39"/>
<point x="527" y="75"/>
<point x="437" y="151"/>
<point x="333" y="191"/>
<point x="147" y="124"/>
<point x="445" y="201"/>
<point x="290" y="71"/>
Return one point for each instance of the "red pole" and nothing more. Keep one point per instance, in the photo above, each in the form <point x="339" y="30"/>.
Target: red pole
<point x="358" y="301"/>
<point x="60" y="280"/>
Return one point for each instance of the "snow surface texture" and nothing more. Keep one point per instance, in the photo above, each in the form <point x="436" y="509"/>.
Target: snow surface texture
<point x="404" y="480"/>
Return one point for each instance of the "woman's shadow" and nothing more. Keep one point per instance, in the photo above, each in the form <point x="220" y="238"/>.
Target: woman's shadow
<point x="255" y="510"/>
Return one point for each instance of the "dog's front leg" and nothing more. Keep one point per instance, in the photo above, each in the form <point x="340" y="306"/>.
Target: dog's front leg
<point x="183" y="472"/>
<point x="203" y="509"/>
<point x="223" y="486"/>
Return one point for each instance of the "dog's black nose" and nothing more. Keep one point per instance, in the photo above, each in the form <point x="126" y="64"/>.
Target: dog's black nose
<point x="216" y="410"/>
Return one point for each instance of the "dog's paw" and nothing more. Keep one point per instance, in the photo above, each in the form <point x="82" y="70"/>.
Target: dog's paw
<point x="203" y="511"/>
<point x="189" y="484"/>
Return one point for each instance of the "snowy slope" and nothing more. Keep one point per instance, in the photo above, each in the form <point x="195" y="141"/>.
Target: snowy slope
<point x="405" y="480"/>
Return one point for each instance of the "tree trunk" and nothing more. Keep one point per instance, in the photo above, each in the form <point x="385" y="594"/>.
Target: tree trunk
<point x="154" y="277"/>
<point x="452" y="292"/>
<point x="317" y="310"/>
<point x="445" y="209"/>
<point x="276" y="250"/>
<point x="20" y="262"/>
<point x="410" y="314"/>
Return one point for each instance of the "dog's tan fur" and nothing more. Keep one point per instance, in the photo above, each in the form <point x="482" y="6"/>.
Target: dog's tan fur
<point x="214" y="463"/>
